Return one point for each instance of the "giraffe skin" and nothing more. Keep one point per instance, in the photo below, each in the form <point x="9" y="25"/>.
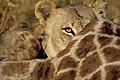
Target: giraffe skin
<point x="93" y="54"/>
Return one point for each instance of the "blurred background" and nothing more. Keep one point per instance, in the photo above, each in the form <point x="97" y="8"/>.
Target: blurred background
<point x="13" y="12"/>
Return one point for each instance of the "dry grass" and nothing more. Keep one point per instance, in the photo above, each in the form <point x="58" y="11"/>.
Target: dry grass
<point x="12" y="12"/>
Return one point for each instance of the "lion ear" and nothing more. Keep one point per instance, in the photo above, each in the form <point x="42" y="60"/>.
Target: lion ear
<point x="43" y="9"/>
<point x="99" y="7"/>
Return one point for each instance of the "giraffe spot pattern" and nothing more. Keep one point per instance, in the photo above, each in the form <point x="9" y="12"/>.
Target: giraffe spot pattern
<point x="103" y="40"/>
<point x="96" y="76"/>
<point x="113" y="72"/>
<point x="70" y="75"/>
<point x="106" y="28"/>
<point x="10" y="69"/>
<point x="85" y="46"/>
<point x="90" y="64"/>
<point x="111" y="54"/>
<point x="67" y="62"/>
<point x="46" y="71"/>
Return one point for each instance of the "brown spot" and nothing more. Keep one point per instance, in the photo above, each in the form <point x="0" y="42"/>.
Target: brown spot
<point x="67" y="49"/>
<point x="35" y="72"/>
<point x="106" y="28"/>
<point x="112" y="54"/>
<point x="113" y="72"/>
<point x="90" y="64"/>
<point x="67" y="75"/>
<point x="96" y="76"/>
<point x="46" y="71"/>
<point x="67" y="62"/>
<point x="88" y="27"/>
<point x="15" y="68"/>
<point x="86" y="45"/>
<point x="104" y="40"/>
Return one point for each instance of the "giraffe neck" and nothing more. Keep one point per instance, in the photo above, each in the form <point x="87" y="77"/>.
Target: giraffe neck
<point x="93" y="54"/>
<point x="90" y="54"/>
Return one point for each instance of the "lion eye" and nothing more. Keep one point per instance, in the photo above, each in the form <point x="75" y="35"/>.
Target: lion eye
<point x="69" y="30"/>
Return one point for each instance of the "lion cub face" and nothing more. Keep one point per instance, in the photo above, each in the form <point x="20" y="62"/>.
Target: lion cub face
<point x="61" y="24"/>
